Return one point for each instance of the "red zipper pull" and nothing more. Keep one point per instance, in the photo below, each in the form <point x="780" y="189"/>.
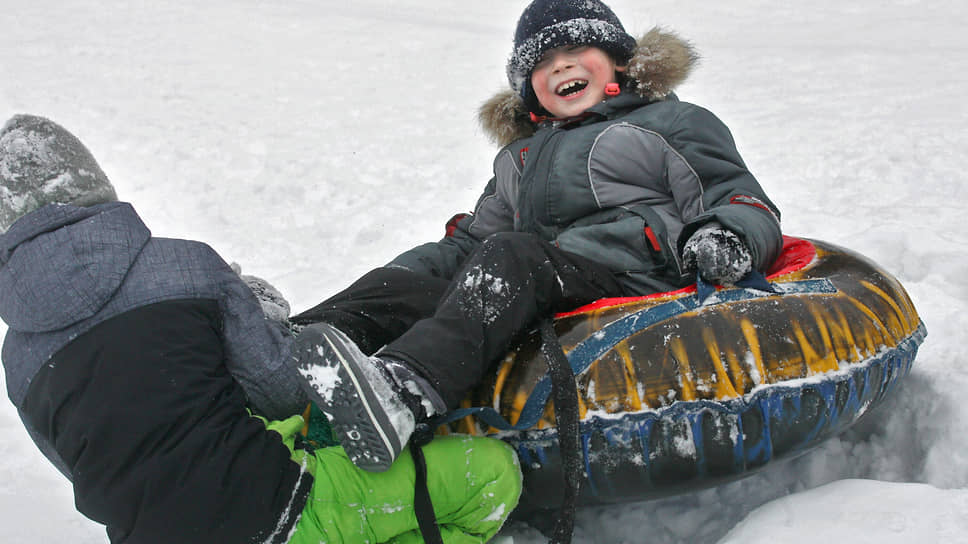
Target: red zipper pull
<point x="613" y="89"/>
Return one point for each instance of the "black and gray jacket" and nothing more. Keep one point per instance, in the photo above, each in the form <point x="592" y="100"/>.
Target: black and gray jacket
<point x="132" y="361"/>
<point x="625" y="184"/>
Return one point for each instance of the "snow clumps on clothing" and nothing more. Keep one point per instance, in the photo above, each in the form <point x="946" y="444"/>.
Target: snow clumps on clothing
<point x="718" y="254"/>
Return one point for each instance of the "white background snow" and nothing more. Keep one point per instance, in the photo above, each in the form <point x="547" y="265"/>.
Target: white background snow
<point x="313" y="140"/>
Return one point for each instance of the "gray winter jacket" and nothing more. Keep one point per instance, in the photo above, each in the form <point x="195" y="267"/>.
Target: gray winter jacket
<point x="64" y="270"/>
<point x="625" y="184"/>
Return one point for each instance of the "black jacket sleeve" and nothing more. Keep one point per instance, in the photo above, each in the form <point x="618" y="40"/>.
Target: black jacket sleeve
<point x="440" y="259"/>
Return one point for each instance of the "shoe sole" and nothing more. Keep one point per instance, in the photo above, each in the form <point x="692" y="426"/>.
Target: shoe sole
<point x="364" y="430"/>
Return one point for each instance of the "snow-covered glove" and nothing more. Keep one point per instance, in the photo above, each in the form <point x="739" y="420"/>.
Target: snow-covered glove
<point x="718" y="254"/>
<point x="274" y="305"/>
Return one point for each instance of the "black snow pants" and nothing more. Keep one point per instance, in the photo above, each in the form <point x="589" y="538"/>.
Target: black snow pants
<point x="453" y="331"/>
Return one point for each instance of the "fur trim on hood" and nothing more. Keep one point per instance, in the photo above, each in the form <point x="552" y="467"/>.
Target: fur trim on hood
<point x="662" y="60"/>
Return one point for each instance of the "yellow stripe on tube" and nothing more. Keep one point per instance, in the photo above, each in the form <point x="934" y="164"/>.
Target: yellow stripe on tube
<point x="724" y="384"/>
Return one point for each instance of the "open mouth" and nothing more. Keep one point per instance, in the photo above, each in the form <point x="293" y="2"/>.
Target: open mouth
<point x="571" y="87"/>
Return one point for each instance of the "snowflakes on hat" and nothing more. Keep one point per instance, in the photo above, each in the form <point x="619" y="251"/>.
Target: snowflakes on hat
<point x="576" y="31"/>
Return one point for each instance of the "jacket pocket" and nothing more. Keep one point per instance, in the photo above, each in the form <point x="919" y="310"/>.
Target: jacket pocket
<point x="631" y="241"/>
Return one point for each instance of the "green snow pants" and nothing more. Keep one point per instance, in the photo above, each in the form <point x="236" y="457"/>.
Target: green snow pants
<point x="474" y="484"/>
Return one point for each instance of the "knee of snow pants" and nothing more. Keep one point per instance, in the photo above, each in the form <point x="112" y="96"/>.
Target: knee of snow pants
<point x="508" y="283"/>
<point x="474" y="483"/>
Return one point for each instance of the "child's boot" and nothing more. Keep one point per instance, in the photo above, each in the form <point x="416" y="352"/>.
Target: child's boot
<point x="373" y="403"/>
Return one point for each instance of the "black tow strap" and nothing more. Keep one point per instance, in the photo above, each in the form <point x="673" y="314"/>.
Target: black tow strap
<point x="564" y="391"/>
<point x="422" y="506"/>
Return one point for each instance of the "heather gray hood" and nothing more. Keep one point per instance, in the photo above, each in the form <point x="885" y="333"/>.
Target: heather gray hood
<point x="61" y="264"/>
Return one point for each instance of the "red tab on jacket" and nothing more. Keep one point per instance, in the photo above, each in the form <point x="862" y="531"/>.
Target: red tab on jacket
<point x="755" y="202"/>
<point x="653" y="239"/>
<point x="452" y="224"/>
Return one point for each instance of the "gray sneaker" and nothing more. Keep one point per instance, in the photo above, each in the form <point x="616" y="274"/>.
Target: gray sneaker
<point x="354" y="391"/>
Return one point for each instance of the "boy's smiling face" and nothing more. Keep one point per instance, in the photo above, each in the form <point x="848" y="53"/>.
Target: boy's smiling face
<point x="570" y="79"/>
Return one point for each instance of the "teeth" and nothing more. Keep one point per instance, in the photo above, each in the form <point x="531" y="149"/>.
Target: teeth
<point x="565" y="88"/>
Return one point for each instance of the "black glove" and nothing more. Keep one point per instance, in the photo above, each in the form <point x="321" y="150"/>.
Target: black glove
<point x="718" y="254"/>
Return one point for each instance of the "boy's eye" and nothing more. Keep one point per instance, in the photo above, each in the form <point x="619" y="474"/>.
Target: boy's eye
<point x="546" y="58"/>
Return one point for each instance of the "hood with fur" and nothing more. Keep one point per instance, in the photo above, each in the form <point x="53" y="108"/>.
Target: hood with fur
<point x="662" y="60"/>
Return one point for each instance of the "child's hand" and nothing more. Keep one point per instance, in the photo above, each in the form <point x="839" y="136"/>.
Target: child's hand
<point x="274" y="305"/>
<point x="718" y="254"/>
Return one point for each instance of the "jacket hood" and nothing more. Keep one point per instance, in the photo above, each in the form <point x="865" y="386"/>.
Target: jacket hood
<point x="661" y="61"/>
<point x="61" y="264"/>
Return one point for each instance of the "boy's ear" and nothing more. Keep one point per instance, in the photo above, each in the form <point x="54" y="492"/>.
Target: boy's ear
<point x="621" y="68"/>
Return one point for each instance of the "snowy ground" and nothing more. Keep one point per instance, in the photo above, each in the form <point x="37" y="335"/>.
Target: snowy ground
<point x="312" y="140"/>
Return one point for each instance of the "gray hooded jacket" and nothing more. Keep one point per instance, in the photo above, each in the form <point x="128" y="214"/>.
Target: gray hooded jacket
<point x="65" y="269"/>
<point x="625" y="184"/>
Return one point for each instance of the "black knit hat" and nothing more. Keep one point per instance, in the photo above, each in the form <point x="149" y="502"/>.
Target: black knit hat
<point x="547" y="24"/>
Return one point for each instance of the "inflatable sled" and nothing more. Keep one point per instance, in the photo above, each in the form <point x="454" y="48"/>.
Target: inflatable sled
<point x="676" y="393"/>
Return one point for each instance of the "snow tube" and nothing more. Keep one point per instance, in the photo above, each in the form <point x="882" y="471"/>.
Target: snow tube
<point x="676" y="394"/>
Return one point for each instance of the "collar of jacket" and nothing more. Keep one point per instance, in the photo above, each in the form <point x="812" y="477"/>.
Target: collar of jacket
<point x="610" y="108"/>
<point x="661" y="61"/>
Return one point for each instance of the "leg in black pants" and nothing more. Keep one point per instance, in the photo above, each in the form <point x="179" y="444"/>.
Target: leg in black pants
<point x="443" y="337"/>
<point x="379" y="307"/>
<point x="504" y="287"/>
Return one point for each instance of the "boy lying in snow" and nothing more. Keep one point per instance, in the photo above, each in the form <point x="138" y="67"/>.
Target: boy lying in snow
<point x="133" y="362"/>
<point x="607" y="185"/>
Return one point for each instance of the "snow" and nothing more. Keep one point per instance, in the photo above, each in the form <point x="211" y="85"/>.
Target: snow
<point x="847" y="505"/>
<point x="497" y="514"/>
<point x="472" y="294"/>
<point x="312" y="141"/>
<point x="323" y="379"/>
